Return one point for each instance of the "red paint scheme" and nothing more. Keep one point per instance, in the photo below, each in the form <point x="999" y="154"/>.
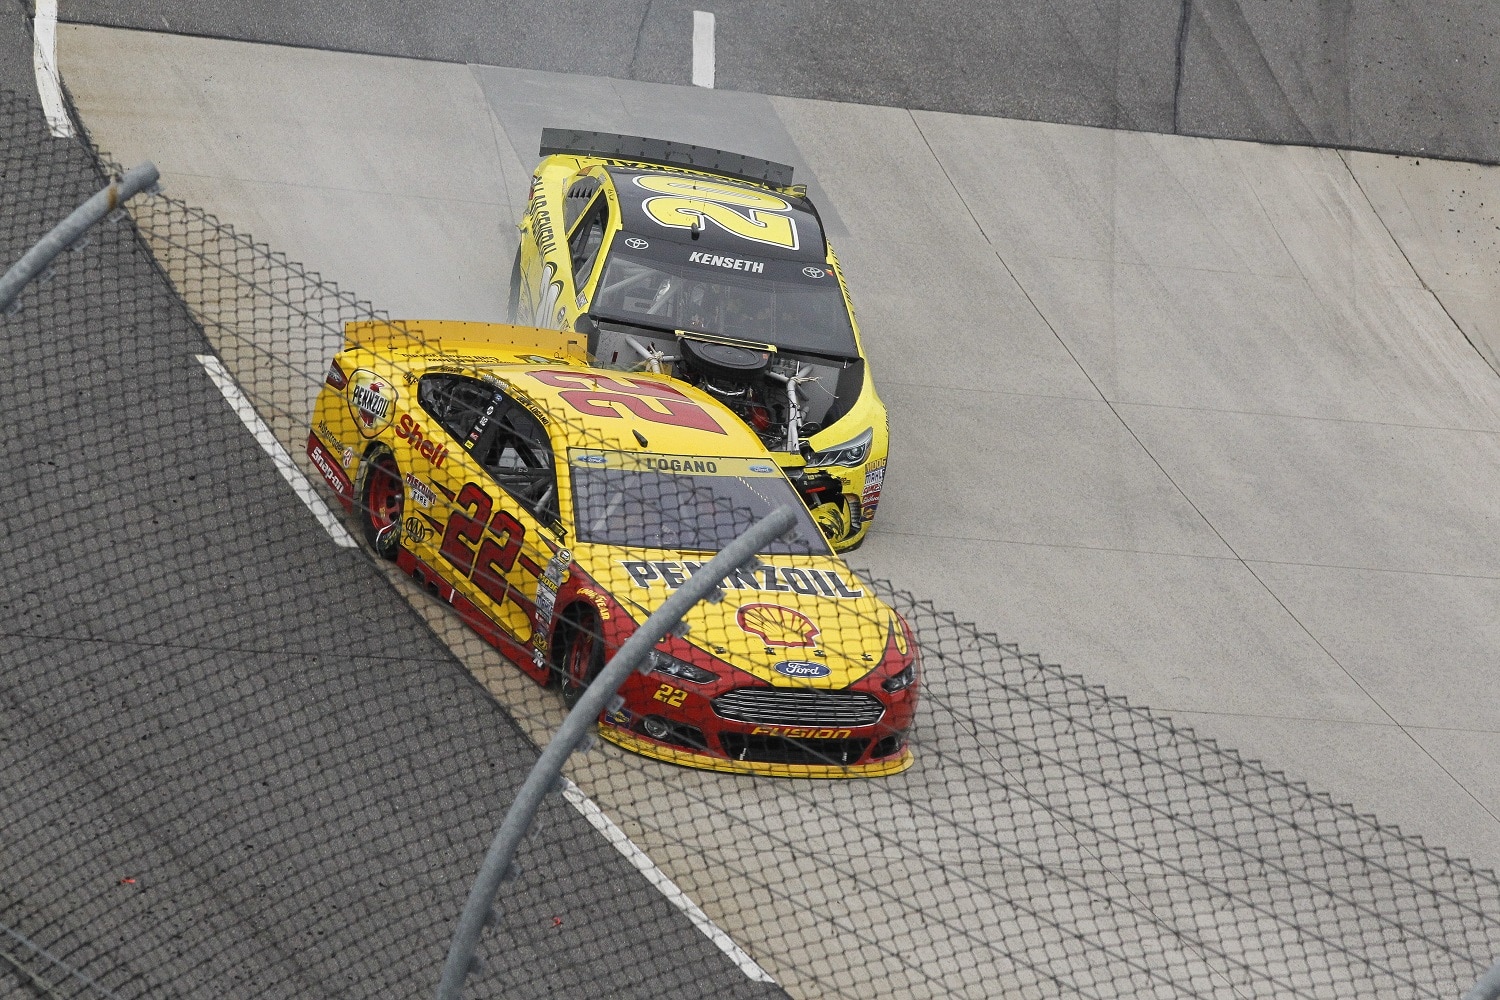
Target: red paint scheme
<point x="332" y="472"/>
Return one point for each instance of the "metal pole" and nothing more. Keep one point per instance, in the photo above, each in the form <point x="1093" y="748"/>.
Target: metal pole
<point x="68" y="231"/>
<point x="546" y="774"/>
<point x="1488" y="987"/>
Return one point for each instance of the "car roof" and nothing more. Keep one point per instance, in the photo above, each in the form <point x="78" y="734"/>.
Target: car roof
<point x="631" y="197"/>
<point x="604" y="409"/>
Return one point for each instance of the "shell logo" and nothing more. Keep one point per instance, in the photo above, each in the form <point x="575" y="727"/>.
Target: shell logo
<point x="776" y="625"/>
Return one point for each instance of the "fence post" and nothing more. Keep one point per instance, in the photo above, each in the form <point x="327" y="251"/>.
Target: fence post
<point x="68" y="231"/>
<point x="546" y="774"/>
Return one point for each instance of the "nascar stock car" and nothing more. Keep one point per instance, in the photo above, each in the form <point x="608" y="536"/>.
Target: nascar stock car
<point x="714" y="268"/>
<point x="555" y="505"/>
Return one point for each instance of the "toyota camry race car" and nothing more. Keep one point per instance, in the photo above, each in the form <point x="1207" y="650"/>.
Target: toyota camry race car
<point x="556" y="505"/>
<point x="711" y="267"/>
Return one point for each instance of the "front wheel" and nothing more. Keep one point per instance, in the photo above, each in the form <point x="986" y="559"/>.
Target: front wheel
<point x="381" y="499"/>
<point x="582" y="652"/>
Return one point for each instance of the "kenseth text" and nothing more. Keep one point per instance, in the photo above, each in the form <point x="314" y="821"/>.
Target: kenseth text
<point x="763" y="579"/>
<point x="733" y="263"/>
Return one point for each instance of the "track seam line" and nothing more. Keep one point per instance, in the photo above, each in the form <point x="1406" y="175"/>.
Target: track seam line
<point x="267" y="440"/>
<point x="596" y="817"/>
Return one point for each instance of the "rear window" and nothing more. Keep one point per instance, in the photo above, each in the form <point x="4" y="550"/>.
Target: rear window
<point x="683" y="502"/>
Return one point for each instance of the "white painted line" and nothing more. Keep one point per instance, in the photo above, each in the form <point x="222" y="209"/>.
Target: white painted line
<point x="284" y="464"/>
<point x="44" y="61"/>
<point x="703" y="49"/>
<point x="591" y="812"/>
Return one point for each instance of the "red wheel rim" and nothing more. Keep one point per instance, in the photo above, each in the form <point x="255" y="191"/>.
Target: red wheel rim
<point x="580" y="655"/>
<point x="384" y="496"/>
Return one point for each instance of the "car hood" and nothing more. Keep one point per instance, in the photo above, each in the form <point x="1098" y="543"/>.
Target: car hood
<point x="794" y="621"/>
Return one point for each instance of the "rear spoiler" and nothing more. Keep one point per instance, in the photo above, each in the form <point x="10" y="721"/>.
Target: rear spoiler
<point x="665" y="152"/>
<point x="472" y="343"/>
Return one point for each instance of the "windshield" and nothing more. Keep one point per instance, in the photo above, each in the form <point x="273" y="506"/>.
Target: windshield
<point x="683" y="502"/>
<point x="790" y="303"/>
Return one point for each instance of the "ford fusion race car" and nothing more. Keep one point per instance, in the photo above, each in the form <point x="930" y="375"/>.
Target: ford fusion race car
<point x="556" y="505"/>
<point x="712" y="267"/>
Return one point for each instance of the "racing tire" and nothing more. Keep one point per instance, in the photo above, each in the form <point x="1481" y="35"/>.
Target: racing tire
<point x="581" y="642"/>
<point x="513" y="307"/>
<point x="382" y="496"/>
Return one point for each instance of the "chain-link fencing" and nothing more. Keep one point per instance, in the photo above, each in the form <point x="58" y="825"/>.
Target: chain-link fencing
<point x="241" y="759"/>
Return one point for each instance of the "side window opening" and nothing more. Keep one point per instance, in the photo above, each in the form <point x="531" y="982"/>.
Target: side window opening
<point x="577" y="200"/>
<point x="585" y="239"/>
<point x="516" y="454"/>
<point x="455" y="402"/>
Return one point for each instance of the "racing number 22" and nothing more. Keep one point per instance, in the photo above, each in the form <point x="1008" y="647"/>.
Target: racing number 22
<point x="493" y="559"/>
<point x="599" y="395"/>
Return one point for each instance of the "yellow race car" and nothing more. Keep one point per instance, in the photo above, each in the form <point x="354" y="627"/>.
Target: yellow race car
<point x="555" y="505"/>
<point x="714" y="268"/>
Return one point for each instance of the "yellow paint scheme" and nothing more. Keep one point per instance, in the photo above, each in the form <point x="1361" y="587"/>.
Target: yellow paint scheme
<point x="549" y="297"/>
<point x="507" y="354"/>
<point x="704" y="762"/>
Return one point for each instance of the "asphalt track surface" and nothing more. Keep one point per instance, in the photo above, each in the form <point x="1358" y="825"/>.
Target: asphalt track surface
<point x="824" y="171"/>
<point x="396" y="763"/>
<point x="1366" y="74"/>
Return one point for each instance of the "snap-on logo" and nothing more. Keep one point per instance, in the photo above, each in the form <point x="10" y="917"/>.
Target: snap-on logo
<point x="802" y="669"/>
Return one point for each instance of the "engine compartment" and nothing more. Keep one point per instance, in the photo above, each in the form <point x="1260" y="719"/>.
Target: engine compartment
<point x="784" y="397"/>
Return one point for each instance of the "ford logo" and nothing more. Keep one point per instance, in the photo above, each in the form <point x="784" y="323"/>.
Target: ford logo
<point x="758" y="467"/>
<point x="593" y="459"/>
<point x="802" y="668"/>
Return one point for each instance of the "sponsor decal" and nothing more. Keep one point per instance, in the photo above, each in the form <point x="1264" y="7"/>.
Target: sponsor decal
<point x="621" y="717"/>
<point x="874" y="479"/>
<point x="548" y="584"/>
<point x="800" y="733"/>
<point x="420" y="491"/>
<point x="372" y="399"/>
<point x="333" y="442"/>
<point x="763" y="579"/>
<point x="416" y="529"/>
<point x="814" y="272"/>
<point x="802" y="669"/>
<point x="593" y="459"/>
<point x="636" y="243"/>
<point x="762" y="467"/>
<point x="421" y="441"/>
<point x="332" y="474"/>
<point x="546" y="239"/>
<point x="600" y="601"/>
<point x="778" y="626"/>
<point x="733" y="263"/>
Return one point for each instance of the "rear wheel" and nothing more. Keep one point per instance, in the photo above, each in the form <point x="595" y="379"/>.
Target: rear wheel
<point x="381" y="500"/>
<point x="582" y="648"/>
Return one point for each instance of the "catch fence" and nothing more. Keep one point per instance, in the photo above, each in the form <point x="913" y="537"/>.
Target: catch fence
<point x="240" y="760"/>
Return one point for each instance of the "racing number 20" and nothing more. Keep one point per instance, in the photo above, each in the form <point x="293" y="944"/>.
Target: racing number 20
<point x="493" y="559"/>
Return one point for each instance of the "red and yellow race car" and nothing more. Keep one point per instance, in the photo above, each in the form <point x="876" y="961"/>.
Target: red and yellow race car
<point x="555" y="505"/>
<point x="712" y="267"/>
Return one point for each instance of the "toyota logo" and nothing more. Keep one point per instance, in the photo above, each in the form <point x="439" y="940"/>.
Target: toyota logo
<point x="814" y="272"/>
<point x="636" y="243"/>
